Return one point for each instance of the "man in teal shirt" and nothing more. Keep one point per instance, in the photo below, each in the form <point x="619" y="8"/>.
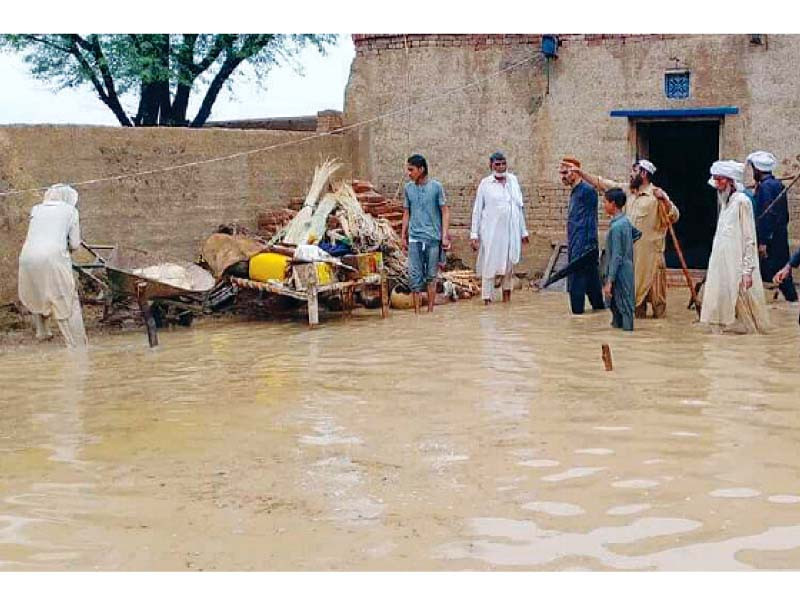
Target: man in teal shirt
<point x="426" y="222"/>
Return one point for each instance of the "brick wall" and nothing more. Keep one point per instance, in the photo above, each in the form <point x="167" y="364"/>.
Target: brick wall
<point x="172" y="212"/>
<point x="374" y="44"/>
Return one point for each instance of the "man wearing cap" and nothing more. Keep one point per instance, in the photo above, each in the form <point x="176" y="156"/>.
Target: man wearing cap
<point x="772" y="221"/>
<point x="650" y="270"/>
<point x="733" y="299"/>
<point x="498" y="227"/>
<point x="581" y="238"/>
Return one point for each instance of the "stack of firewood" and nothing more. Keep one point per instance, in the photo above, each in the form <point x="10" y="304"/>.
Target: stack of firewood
<point x="466" y="282"/>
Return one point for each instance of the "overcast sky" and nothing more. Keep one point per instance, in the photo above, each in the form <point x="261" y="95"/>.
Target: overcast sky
<point x="285" y="93"/>
<point x="24" y="100"/>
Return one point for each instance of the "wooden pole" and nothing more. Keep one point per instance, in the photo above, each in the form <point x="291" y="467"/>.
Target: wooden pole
<point x="684" y="268"/>
<point x="313" y="305"/>
<point x="384" y="295"/>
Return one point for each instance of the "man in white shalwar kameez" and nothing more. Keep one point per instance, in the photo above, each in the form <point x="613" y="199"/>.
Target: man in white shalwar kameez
<point x="498" y="228"/>
<point x="46" y="283"/>
<point x="733" y="298"/>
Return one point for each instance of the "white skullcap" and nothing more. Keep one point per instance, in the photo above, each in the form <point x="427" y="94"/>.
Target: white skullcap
<point x="61" y="193"/>
<point x="730" y="169"/>
<point x="647" y="166"/>
<point x="763" y="161"/>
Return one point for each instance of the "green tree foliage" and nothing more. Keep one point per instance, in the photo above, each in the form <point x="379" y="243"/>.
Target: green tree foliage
<point x="163" y="69"/>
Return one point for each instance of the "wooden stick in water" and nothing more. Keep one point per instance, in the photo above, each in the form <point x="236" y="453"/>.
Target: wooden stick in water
<point x="606" y="353"/>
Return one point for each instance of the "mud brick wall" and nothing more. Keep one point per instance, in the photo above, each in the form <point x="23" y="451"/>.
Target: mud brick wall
<point x="171" y="212"/>
<point x="543" y="110"/>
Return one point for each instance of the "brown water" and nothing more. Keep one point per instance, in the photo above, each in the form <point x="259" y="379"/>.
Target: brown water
<point x="470" y="439"/>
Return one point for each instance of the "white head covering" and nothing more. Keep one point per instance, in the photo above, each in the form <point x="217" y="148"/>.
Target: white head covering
<point x="763" y="161"/>
<point x="647" y="166"/>
<point x="730" y="169"/>
<point x="61" y="193"/>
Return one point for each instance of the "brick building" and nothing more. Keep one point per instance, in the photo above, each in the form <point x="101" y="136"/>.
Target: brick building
<point x="680" y="100"/>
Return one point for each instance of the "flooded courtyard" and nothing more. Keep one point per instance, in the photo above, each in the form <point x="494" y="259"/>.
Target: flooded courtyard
<point x="471" y="439"/>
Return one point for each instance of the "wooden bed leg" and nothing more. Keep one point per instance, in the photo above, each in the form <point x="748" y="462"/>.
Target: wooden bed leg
<point x="350" y="302"/>
<point x="147" y="314"/>
<point x="313" y="306"/>
<point x="384" y="295"/>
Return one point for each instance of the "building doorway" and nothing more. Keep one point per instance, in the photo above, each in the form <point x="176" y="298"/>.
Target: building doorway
<point x="683" y="151"/>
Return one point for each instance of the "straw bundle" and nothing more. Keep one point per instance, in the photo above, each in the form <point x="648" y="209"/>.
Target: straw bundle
<point x="297" y="230"/>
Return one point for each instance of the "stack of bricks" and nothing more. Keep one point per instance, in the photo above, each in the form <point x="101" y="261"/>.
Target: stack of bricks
<point x="378" y="205"/>
<point x="273" y="220"/>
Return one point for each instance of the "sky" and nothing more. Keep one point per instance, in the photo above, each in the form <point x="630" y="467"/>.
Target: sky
<point x="285" y="93"/>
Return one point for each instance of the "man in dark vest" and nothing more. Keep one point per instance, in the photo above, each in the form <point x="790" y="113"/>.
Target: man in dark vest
<point x="772" y="222"/>
<point x="582" y="238"/>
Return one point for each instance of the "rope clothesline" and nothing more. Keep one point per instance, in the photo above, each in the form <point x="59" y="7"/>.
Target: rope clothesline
<point x="352" y="126"/>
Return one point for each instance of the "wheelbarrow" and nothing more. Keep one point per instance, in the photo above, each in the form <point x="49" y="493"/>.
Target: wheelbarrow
<point x="141" y="275"/>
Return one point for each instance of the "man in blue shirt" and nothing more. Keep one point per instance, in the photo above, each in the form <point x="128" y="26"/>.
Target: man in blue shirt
<point x="426" y="222"/>
<point x="772" y="222"/>
<point x="581" y="238"/>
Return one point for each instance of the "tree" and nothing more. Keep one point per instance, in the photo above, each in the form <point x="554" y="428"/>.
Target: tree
<point x="163" y="69"/>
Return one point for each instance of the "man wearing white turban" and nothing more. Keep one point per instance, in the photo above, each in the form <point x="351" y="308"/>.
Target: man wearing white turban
<point x="733" y="299"/>
<point x="650" y="270"/>
<point x="772" y="221"/>
<point x="46" y="284"/>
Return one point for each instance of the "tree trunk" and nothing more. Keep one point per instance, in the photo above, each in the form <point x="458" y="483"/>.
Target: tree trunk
<point x="180" y="105"/>
<point x="227" y="69"/>
<point x="154" y="99"/>
<point x="164" y="105"/>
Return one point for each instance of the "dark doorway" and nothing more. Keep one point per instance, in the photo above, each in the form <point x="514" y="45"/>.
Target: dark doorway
<point x="683" y="152"/>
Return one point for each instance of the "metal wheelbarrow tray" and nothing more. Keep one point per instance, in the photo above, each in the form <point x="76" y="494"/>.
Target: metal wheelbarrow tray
<point x="149" y="292"/>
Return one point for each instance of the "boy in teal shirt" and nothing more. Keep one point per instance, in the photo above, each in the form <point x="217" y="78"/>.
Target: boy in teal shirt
<point x="620" y="283"/>
<point x="426" y="221"/>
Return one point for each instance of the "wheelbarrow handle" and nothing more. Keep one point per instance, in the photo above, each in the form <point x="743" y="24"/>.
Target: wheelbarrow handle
<point x="92" y="248"/>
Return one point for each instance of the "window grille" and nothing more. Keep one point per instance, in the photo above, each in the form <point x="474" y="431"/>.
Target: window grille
<point x="676" y="85"/>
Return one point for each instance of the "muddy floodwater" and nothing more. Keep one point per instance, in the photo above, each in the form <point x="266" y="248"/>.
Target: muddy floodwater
<point x="472" y="439"/>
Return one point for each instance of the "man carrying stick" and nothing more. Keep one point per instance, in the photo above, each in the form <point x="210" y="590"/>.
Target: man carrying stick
<point x="733" y="300"/>
<point x="642" y="208"/>
<point x="772" y="220"/>
<point x="581" y="238"/>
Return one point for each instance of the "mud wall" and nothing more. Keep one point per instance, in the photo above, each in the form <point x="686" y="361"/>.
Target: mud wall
<point x="172" y="212"/>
